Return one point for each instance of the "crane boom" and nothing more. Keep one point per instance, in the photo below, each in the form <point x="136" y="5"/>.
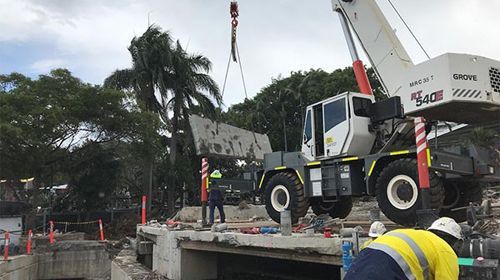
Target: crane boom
<point x="387" y="55"/>
<point x="453" y="87"/>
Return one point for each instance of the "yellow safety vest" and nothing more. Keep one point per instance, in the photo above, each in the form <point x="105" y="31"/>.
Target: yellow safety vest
<point x="366" y="243"/>
<point x="214" y="175"/>
<point x="420" y="253"/>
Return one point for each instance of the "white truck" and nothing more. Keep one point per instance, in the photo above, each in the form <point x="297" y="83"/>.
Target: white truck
<point x="354" y="146"/>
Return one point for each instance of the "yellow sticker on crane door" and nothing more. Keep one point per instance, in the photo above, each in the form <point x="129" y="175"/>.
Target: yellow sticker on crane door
<point x="329" y="140"/>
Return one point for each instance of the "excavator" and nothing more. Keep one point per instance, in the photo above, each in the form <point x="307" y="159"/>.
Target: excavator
<point x="354" y="145"/>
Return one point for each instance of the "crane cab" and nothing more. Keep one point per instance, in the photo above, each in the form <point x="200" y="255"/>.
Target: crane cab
<point x="338" y="126"/>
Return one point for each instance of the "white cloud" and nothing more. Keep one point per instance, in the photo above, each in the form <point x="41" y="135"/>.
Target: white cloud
<point x="275" y="37"/>
<point x="46" y="65"/>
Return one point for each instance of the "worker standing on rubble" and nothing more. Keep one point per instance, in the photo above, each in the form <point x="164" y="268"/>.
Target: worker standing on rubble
<point x="216" y="198"/>
<point x="411" y="254"/>
<point x="377" y="229"/>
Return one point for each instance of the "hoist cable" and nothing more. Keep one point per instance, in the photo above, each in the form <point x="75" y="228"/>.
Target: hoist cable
<point x="241" y="71"/>
<point x="227" y="71"/>
<point x="245" y="89"/>
<point x="409" y="29"/>
<point x="236" y="58"/>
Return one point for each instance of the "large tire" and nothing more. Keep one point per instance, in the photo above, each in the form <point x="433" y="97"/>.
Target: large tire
<point x="397" y="191"/>
<point x="339" y="209"/>
<point x="460" y="194"/>
<point x="284" y="191"/>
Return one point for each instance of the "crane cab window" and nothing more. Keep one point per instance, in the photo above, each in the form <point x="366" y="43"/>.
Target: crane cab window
<point x="308" y="127"/>
<point x="360" y="106"/>
<point x="335" y="113"/>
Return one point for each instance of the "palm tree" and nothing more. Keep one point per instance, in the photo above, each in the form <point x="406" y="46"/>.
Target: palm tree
<point x="179" y="78"/>
<point x="188" y="81"/>
<point x="151" y="57"/>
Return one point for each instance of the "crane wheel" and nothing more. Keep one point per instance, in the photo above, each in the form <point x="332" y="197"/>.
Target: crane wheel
<point x="398" y="194"/>
<point x="460" y="194"/>
<point x="284" y="191"/>
<point x="339" y="209"/>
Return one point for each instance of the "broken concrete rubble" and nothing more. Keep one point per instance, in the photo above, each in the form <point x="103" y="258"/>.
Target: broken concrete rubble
<point x="126" y="267"/>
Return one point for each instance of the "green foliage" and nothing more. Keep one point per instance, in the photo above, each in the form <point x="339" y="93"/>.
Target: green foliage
<point x="182" y="83"/>
<point x="95" y="174"/>
<point x="41" y="120"/>
<point x="483" y="137"/>
<point x="151" y="57"/>
<point x="48" y="124"/>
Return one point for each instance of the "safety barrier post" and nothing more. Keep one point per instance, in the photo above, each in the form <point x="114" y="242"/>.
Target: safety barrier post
<point x="422" y="161"/>
<point x="28" y="244"/>
<point x="204" y="186"/>
<point x="51" y="232"/>
<point x="6" y="247"/>
<point x="143" y="210"/>
<point x="101" y="231"/>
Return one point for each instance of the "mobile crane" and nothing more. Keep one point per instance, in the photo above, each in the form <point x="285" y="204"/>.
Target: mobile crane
<point x="353" y="146"/>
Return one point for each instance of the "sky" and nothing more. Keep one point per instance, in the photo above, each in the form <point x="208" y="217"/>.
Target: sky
<point x="275" y="37"/>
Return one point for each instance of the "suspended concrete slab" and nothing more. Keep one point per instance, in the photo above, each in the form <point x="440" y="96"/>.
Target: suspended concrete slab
<point x="220" y="139"/>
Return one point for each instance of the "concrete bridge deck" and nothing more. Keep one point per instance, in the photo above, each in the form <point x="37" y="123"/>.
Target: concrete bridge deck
<point x="190" y="254"/>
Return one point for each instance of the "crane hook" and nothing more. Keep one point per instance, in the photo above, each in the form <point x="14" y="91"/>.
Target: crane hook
<point x="233" y="10"/>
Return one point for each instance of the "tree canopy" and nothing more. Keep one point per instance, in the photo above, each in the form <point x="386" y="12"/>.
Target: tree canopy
<point x="165" y="78"/>
<point x="278" y="109"/>
<point x="47" y="124"/>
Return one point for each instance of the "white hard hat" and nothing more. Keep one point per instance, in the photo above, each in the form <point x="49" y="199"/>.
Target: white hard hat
<point x="447" y="225"/>
<point x="377" y="229"/>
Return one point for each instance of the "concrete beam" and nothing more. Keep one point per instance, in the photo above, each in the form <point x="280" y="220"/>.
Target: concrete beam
<point x="19" y="267"/>
<point x="261" y="252"/>
<point x="297" y="242"/>
<point x="74" y="259"/>
<point x="233" y="213"/>
<point x="219" y="139"/>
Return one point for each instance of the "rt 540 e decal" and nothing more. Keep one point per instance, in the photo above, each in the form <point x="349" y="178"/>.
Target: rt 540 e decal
<point x="426" y="99"/>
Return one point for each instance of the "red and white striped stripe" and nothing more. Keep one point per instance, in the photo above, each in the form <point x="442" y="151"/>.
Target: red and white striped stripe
<point x="421" y="137"/>
<point x="421" y="143"/>
<point x="204" y="179"/>
<point x="204" y="168"/>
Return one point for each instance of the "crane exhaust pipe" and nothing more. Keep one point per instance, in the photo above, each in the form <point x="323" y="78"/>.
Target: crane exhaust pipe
<point x="357" y="64"/>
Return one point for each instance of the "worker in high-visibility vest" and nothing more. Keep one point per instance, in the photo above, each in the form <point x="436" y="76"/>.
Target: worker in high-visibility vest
<point x="215" y="198"/>
<point x="411" y="254"/>
<point x="377" y="229"/>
